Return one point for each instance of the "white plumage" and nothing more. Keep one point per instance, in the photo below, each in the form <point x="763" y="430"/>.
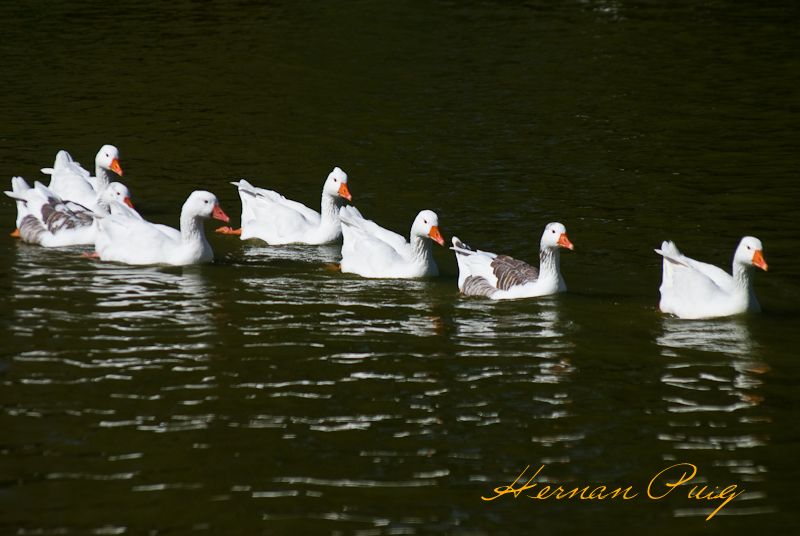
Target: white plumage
<point x="694" y="289"/>
<point x="271" y="217"/>
<point x="370" y="250"/>
<point x="500" y="277"/>
<point x="46" y="219"/>
<point x="127" y="238"/>
<point x="71" y="182"/>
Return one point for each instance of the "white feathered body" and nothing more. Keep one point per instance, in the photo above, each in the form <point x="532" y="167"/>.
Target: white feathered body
<point x="369" y="250"/>
<point x="500" y="277"/>
<point x="45" y="219"/>
<point x="125" y="237"/>
<point x="269" y="216"/>
<point x="70" y="181"/>
<point x="692" y="289"/>
<point x="130" y="241"/>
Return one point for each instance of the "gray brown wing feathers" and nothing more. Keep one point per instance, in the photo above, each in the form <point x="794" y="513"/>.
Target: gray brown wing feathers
<point x="477" y="286"/>
<point x="58" y="215"/>
<point x="511" y="272"/>
<point x="31" y="230"/>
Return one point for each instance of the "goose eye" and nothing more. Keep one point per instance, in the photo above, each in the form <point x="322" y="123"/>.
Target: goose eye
<point x="748" y="247"/>
<point x="554" y="231"/>
<point x="206" y="201"/>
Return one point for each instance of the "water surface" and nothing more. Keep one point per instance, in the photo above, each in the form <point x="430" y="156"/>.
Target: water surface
<point x="265" y="393"/>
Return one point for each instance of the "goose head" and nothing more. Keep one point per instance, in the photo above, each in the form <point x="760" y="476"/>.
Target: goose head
<point x="204" y="204"/>
<point x="426" y="225"/>
<point x="750" y="252"/>
<point x="555" y="236"/>
<point x="336" y="184"/>
<point x="116" y="191"/>
<point x="108" y="158"/>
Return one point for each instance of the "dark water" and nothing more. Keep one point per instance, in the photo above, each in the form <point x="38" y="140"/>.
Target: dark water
<point x="267" y="394"/>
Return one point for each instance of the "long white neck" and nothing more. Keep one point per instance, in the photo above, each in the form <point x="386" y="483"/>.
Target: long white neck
<point x="549" y="264"/>
<point x="103" y="204"/>
<point x="421" y="249"/>
<point x="103" y="177"/>
<point x="743" y="276"/>
<point x="329" y="210"/>
<point x="192" y="228"/>
<point x="743" y="279"/>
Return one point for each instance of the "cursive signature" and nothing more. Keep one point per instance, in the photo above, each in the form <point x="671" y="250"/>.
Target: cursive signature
<point x="660" y="486"/>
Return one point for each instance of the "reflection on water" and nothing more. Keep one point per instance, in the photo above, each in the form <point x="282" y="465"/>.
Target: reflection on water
<point x="724" y="364"/>
<point x="269" y="393"/>
<point x="123" y="302"/>
<point x="726" y="336"/>
<point x="130" y="324"/>
<point x="256" y="251"/>
<point x="710" y="374"/>
<point x="515" y="348"/>
<point x="389" y="386"/>
<point x="536" y="332"/>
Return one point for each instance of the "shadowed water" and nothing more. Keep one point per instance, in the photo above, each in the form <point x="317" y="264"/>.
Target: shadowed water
<point x="268" y="393"/>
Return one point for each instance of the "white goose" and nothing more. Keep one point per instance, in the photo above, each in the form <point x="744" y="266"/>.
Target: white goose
<point x="71" y="182"/>
<point x="694" y="289"/>
<point x="131" y="240"/>
<point x="44" y="218"/>
<point x="372" y="251"/>
<point x="501" y="277"/>
<point x="276" y="220"/>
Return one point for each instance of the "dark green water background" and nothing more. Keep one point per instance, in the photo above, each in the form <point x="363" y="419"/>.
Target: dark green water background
<point x="266" y="394"/>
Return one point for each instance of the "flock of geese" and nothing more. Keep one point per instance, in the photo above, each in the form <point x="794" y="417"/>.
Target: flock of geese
<point x="80" y="208"/>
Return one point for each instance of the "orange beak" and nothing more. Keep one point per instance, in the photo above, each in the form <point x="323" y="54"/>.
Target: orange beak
<point x="115" y="167"/>
<point x="758" y="260"/>
<point x="219" y="214"/>
<point x="345" y="192"/>
<point x="564" y="242"/>
<point x="436" y="235"/>
<point x="128" y="202"/>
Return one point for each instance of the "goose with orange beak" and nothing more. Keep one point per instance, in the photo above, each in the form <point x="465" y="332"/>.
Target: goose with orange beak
<point x="500" y="277"/>
<point x="369" y="250"/>
<point x="71" y="182"/>
<point x="131" y="240"/>
<point x="693" y="289"/>
<point x="270" y="217"/>
<point x="45" y="219"/>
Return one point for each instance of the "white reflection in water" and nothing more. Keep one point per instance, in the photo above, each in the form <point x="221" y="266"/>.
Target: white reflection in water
<point x="339" y="304"/>
<point x="522" y="349"/>
<point x="257" y="251"/>
<point x="727" y="375"/>
<point x="80" y="322"/>
<point x="178" y="295"/>
<point x="66" y="292"/>
<point x="712" y="387"/>
<point x="725" y="336"/>
<point x="489" y="330"/>
<point x="538" y="330"/>
<point x="161" y="316"/>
